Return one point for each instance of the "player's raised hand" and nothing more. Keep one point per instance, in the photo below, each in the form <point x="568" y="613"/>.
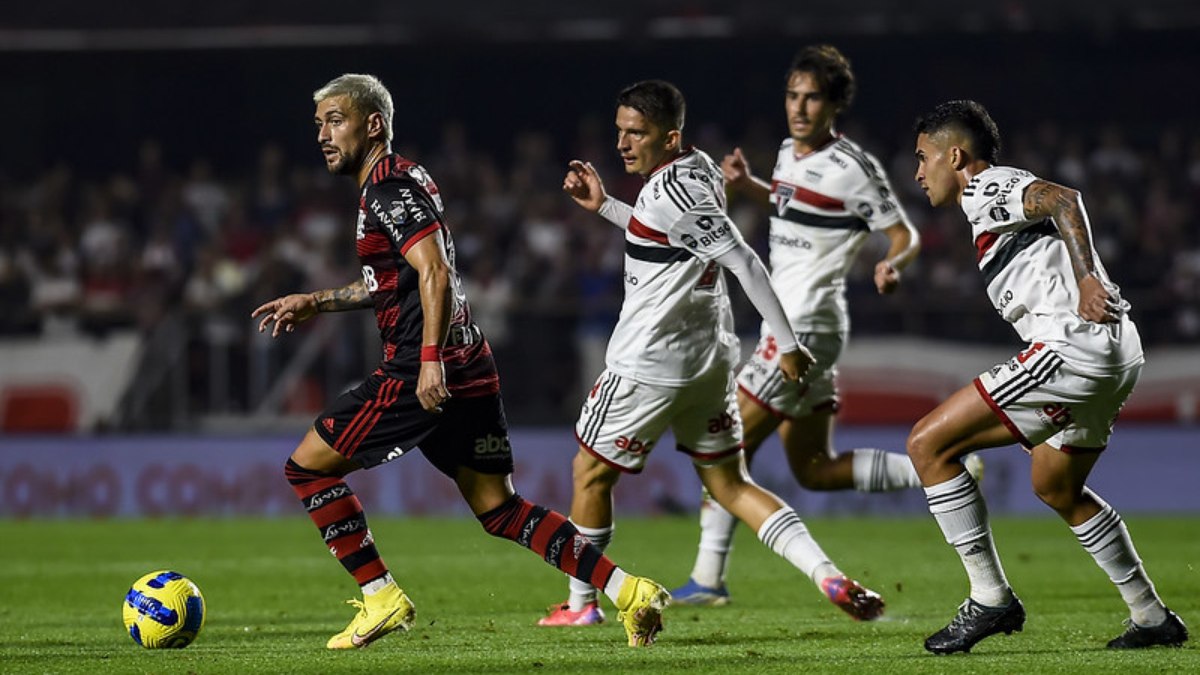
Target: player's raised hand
<point x="736" y="168"/>
<point x="583" y="184"/>
<point x="286" y="312"/>
<point x="1095" y="303"/>
<point x="887" y="277"/>
<point x="795" y="365"/>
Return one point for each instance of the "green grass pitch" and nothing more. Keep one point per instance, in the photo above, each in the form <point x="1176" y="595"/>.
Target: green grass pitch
<point x="275" y="595"/>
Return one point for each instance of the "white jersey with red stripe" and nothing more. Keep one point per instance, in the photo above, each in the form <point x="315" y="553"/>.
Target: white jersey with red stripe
<point x="676" y="324"/>
<point x="1029" y="279"/>
<point x="825" y="202"/>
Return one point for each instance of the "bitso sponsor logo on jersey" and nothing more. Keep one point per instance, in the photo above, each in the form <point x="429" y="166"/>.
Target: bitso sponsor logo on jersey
<point x="1004" y="191"/>
<point x="710" y="236"/>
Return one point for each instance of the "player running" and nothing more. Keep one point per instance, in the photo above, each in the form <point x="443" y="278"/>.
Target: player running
<point x="1058" y="398"/>
<point x="436" y="389"/>
<point x="828" y="196"/>
<point x="671" y="356"/>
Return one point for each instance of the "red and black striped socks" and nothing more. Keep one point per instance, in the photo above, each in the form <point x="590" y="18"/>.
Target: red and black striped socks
<point x="550" y="535"/>
<point x="339" y="517"/>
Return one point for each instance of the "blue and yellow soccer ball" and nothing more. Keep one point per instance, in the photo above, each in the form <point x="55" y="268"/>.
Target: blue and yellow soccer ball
<point x="163" y="610"/>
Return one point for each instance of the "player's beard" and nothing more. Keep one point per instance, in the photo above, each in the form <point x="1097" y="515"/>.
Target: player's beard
<point x="346" y="164"/>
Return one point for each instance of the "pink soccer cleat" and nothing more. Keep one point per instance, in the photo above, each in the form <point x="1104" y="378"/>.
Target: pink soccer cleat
<point x="860" y="602"/>
<point x="561" y="615"/>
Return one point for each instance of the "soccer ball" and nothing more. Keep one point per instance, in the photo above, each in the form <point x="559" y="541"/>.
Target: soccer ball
<point x="163" y="610"/>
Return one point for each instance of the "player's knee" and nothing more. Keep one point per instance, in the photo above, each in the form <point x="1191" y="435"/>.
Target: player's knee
<point x="1055" y="493"/>
<point x="920" y="445"/>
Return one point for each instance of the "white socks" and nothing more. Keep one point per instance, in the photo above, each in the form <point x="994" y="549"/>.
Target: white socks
<point x="873" y="470"/>
<point x="882" y="471"/>
<point x="375" y="585"/>
<point x="958" y="507"/>
<point x="716" y="541"/>
<point x="582" y="593"/>
<point x="1104" y="537"/>
<point x="785" y="534"/>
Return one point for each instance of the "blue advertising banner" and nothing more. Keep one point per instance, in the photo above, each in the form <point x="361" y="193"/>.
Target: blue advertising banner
<point x="1145" y="468"/>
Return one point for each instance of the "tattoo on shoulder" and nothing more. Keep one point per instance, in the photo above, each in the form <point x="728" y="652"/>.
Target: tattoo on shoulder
<point x="1048" y="200"/>
<point x="1045" y="199"/>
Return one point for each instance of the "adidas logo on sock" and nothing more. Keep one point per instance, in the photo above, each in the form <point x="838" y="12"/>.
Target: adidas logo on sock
<point x="975" y="550"/>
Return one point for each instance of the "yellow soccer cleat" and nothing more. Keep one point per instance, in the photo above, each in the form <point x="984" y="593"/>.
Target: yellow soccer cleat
<point x="378" y="615"/>
<point x="640" y="605"/>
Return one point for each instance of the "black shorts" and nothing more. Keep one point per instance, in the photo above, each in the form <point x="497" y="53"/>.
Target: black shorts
<point x="381" y="419"/>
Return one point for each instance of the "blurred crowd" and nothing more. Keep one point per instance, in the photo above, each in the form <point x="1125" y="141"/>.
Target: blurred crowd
<point x="83" y="255"/>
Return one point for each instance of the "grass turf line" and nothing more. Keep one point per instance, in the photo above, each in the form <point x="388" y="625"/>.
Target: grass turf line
<point x="275" y="596"/>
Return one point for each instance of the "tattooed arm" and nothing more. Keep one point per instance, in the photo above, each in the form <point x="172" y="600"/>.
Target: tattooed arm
<point x="353" y="295"/>
<point x="1064" y="207"/>
<point x="290" y="310"/>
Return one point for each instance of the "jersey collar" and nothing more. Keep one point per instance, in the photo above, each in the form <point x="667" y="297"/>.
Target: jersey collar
<point x="686" y="152"/>
<point x="801" y="155"/>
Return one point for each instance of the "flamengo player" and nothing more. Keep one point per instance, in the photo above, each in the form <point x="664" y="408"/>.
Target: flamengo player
<point x="828" y="196"/>
<point x="436" y="389"/>
<point x="671" y="356"/>
<point x="1058" y="398"/>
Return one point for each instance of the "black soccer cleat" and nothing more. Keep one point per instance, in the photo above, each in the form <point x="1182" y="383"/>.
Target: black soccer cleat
<point x="973" y="623"/>
<point x="1171" y="633"/>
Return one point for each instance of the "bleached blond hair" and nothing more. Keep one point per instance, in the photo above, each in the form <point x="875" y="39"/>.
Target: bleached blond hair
<point x="366" y="93"/>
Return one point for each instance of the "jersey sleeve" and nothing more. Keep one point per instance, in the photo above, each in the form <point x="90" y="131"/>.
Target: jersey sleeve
<point x="404" y="210"/>
<point x="872" y="197"/>
<point x="705" y="231"/>
<point x="993" y="200"/>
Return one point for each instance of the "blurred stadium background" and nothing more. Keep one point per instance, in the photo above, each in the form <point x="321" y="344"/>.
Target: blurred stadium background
<point x="159" y="178"/>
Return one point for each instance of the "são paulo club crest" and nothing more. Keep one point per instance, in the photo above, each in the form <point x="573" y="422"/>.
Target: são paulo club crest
<point x="783" y="196"/>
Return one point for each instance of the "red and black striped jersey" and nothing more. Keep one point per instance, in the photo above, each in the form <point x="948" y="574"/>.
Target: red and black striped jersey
<point x="399" y="206"/>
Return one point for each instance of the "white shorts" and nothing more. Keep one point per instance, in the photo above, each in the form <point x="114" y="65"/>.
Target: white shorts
<point x="622" y="420"/>
<point x="762" y="381"/>
<point x="1042" y="399"/>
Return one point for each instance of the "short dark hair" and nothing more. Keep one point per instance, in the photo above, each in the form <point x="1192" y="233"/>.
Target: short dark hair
<point x="969" y="118"/>
<point x="831" y="69"/>
<point x="659" y="101"/>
